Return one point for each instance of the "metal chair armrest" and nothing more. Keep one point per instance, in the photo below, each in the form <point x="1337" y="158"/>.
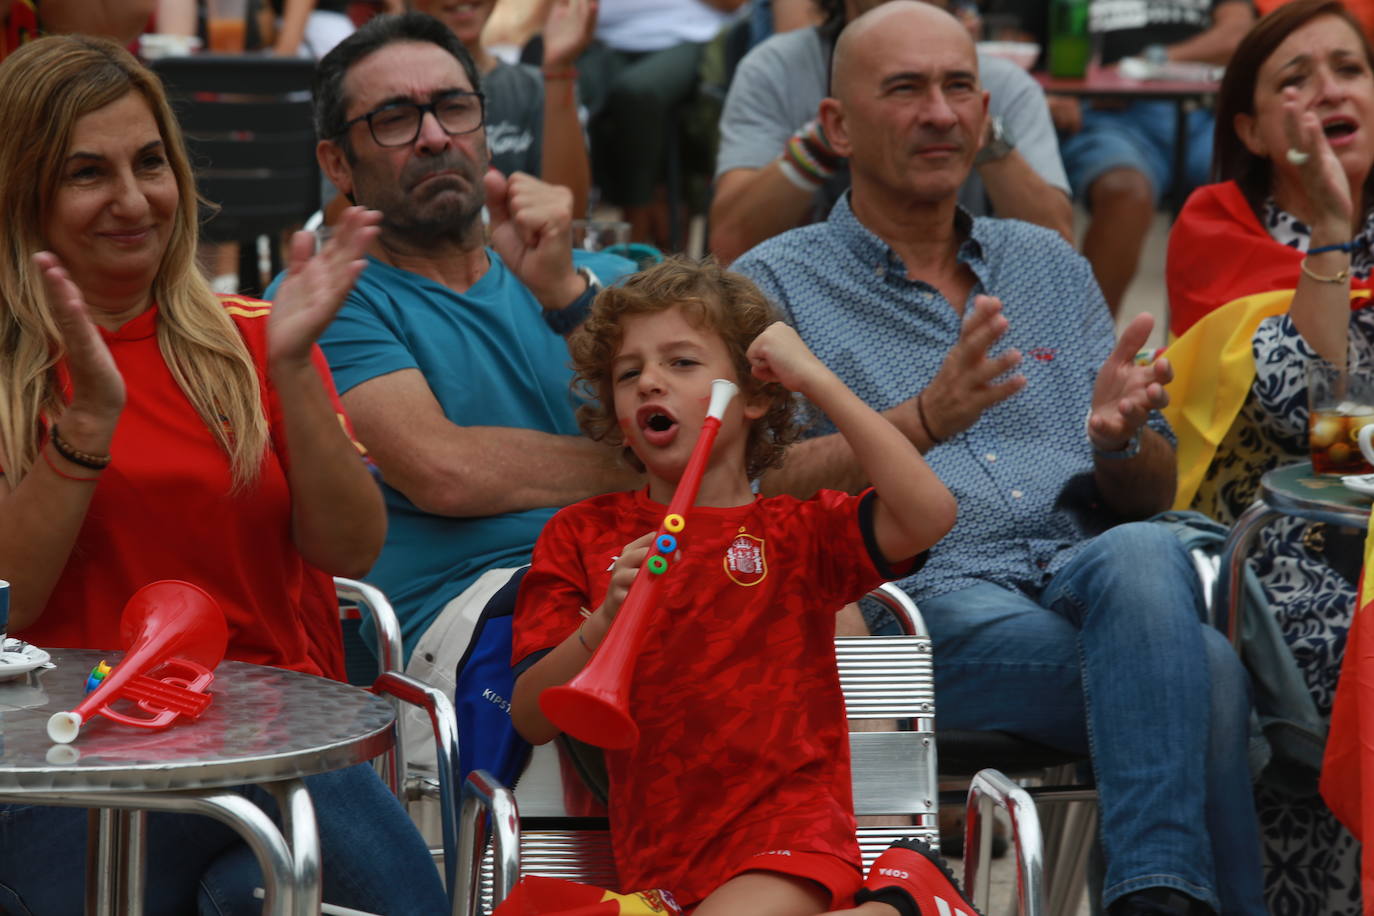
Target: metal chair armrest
<point x="370" y="599"/>
<point x="891" y="596"/>
<point x="445" y="724"/>
<point x="488" y="811"/>
<point x="991" y="789"/>
<point x="1226" y="599"/>
<point x="384" y="620"/>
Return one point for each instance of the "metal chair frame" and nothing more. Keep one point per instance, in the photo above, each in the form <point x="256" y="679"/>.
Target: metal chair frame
<point x="399" y="688"/>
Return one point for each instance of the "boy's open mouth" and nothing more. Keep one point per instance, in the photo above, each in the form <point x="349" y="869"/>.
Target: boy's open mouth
<point x="658" y="426"/>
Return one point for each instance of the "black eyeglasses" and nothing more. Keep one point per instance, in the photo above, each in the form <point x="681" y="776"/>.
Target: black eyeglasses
<point x="398" y="123"/>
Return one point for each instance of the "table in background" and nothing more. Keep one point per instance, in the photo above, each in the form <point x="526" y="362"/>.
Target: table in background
<point x="265" y="726"/>
<point x="1107" y="83"/>
<point x="1293" y="490"/>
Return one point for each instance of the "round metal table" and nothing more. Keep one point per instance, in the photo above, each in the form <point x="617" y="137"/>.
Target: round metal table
<point x="265" y="726"/>
<point x="1293" y="490"/>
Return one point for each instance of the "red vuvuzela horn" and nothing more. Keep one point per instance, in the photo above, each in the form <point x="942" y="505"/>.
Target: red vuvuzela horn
<point x="594" y="706"/>
<point x="174" y="634"/>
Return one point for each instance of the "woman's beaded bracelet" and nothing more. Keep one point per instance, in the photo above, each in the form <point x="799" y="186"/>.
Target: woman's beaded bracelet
<point x="75" y="455"/>
<point x="1340" y="246"/>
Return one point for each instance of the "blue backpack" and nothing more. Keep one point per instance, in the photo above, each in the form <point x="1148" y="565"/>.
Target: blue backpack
<point x="487" y="739"/>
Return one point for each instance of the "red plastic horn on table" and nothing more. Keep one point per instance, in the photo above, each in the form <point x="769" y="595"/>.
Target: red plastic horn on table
<point x="174" y="634"/>
<point x="594" y="706"/>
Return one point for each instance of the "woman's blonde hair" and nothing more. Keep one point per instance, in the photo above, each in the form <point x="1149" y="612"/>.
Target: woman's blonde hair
<point x="45" y="87"/>
<point x="712" y="298"/>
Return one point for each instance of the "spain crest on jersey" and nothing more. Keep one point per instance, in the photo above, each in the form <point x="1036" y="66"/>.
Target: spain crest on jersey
<point x="745" y="562"/>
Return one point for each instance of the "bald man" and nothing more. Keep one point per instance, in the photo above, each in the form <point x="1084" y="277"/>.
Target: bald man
<point x="775" y="170"/>
<point x="1055" y="612"/>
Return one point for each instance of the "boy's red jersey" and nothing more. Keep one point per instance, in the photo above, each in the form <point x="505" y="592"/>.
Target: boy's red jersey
<point x="743" y="745"/>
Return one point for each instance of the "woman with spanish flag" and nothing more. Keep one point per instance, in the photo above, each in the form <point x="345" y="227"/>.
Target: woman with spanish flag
<point x="1269" y="272"/>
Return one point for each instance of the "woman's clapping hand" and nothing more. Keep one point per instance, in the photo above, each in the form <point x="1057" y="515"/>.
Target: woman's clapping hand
<point x="97" y="386"/>
<point x="315" y="285"/>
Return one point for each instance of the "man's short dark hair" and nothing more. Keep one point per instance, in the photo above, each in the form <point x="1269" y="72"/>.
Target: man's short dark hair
<point x="329" y="103"/>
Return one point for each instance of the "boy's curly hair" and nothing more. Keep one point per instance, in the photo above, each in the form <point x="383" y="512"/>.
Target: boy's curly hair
<point x="712" y="298"/>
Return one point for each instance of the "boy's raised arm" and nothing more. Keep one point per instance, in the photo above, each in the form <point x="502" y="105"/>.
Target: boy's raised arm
<point x="914" y="508"/>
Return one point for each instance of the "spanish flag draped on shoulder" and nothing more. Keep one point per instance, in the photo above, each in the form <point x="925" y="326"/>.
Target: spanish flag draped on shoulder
<point x="1214" y="370"/>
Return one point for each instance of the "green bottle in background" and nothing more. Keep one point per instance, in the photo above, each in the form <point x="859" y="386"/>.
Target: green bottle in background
<point x="1070" y="38"/>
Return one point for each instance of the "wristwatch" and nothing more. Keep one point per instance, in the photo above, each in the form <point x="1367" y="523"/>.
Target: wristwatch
<point x="1000" y="142"/>
<point x="593" y="281"/>
<point x="564" y="320"/>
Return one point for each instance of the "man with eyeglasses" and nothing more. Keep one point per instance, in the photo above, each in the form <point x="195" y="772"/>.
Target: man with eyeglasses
<point x="449" y="353"/>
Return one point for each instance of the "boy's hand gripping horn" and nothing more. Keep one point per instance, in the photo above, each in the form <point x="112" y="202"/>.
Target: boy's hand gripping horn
<point x="594" y="706"/>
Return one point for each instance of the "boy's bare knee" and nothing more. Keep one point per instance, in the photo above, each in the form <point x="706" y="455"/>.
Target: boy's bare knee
<point x="763" y="893"/>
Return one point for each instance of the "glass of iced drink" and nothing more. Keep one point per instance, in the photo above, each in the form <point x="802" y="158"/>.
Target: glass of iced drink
<point x="226" y="25"/>
<point x="1341" y="403"/>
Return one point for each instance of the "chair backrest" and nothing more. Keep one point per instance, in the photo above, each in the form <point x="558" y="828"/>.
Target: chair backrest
<point x="894" y="772"/>
<point x="251" y="140"/>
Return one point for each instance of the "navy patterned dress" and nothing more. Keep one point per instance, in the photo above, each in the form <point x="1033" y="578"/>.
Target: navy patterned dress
<point x="1311" y="862"/>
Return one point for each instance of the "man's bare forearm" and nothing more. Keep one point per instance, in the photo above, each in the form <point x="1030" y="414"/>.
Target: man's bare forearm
<point x="753" y="205"/>
<point x="564" y="154"/>
<point x="822" y="463"/>
<point x="491" y="470"/>
<point x="121" y="20"/>
<point x="1018" y="192"/>
<point x="1218" y="43"/>
<point x="828" y="463"/>
<point x="1141" y="486"/>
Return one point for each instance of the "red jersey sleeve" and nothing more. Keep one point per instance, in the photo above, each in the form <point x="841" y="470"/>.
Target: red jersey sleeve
<point x="251" y="318"/>
<point x="554" y="590"/>
<point x="847" y="561"/>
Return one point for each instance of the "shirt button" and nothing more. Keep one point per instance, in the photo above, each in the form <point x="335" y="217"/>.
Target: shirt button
<point x="990" y="456"/>
<point x="879" y="270"/>
<point x="1016" y="494"/>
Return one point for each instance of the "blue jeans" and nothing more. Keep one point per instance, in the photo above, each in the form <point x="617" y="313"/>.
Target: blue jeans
<point x="373" y="858"/>
<point x="1110" y="660"/>
<point x="1139" y="136"/>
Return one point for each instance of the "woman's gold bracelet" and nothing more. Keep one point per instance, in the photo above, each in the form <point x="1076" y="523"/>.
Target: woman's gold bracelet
<point x="1339" y="276"/>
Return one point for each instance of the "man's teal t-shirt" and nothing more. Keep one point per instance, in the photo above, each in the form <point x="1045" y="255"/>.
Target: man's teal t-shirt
<point x="490" y="359"/>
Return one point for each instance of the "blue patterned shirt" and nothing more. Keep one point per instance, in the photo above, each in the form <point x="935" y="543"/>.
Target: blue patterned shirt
<point x="1023" y="474"/>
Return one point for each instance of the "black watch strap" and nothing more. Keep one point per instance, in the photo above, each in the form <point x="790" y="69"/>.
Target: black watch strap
<point x="565" y="320"/>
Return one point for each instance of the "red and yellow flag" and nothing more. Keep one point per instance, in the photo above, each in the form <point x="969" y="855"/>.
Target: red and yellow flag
<point x="536" y="896"/>
<point x="1347" y="781"/>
